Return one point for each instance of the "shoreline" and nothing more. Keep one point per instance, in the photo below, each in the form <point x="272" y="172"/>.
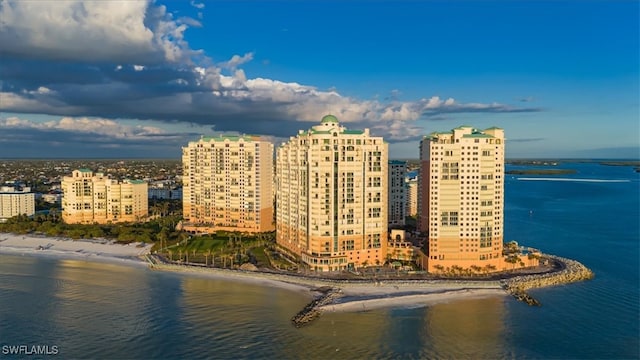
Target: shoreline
<point x="98" y="250"/>
<point x="348" y="295"/>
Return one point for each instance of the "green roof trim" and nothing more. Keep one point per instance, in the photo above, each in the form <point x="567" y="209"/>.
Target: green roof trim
<point x="84" y="170"/>
<point x="312" y="131"/>
<point x="228" y="137"/>
<point x="353" y="132"/>
<point x="135" y="182"/>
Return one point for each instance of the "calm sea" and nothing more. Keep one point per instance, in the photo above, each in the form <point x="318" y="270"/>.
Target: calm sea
<point x="106" y="311"/>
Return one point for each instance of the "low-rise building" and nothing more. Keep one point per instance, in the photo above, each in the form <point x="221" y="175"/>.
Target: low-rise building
<point x="95" y="198"/>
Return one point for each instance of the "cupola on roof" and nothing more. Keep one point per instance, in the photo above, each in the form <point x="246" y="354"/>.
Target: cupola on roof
<point x="329" y="119"/>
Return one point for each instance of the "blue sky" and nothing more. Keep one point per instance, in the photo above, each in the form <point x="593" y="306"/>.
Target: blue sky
<point x="143" y="78"/>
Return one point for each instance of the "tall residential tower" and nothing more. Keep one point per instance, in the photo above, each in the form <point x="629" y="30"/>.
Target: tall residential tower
<point x="462" y="197"/>
<point x="331" y="194"/>
<point x="397" y="202"/>
<point x="228" y="184"/>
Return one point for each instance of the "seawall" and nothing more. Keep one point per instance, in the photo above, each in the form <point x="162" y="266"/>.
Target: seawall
<point x="570" y="271"/>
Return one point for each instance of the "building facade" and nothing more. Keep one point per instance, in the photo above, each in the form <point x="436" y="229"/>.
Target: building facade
<point x="331" y="193"/>
<point x="397" y="202"/>
<point x="90" y="198"/>
<point x="15" y="201"/>
<point x="462" y="198"/>
<point x="228" y="184"/>
<point x="412" y="196"/>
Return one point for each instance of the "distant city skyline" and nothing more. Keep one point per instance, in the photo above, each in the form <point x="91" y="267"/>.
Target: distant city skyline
<point x="141" y="79"/>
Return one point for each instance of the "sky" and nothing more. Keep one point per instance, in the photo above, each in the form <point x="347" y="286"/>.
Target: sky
<point x="141" y="79"/>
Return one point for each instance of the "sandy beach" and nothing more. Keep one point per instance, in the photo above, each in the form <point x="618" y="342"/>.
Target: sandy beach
<point x="96" y="250"/>
<point x="408" y="298"/>
<point x="355" y="296"/>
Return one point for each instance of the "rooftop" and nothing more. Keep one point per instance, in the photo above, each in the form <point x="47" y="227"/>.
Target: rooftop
<point x="329" y="119"/>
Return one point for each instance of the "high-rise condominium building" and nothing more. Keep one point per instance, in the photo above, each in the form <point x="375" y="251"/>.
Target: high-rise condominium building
<point x="397" y="202"/>
<point x="462" y="197"/>
<point x="94" y="198"/>
<point x="412" y="197"/>
<point x="15" y="201"/>
<point x="228" y="184"/>
<point x="331" y="193"/>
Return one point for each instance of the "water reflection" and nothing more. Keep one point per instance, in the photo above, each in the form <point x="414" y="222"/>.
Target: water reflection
<point x="238" y="320"/>
<point x="469" y="329"/>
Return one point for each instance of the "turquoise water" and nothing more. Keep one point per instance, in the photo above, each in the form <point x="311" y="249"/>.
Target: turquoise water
<point x="107" y="311"/>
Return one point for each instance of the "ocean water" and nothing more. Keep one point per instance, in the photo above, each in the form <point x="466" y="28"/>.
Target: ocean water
<point x="112" y="311"/>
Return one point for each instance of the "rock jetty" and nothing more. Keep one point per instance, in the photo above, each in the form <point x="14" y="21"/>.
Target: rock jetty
<point x="311" y="311"/>
<point x="570" y="271"/>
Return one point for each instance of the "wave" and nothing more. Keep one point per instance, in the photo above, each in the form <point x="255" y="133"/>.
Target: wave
<point x="574" y="180"/>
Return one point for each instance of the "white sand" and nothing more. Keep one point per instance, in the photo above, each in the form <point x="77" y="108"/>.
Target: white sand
<point x="356" y="296"/>
<point x="408" y="298"/>
<point x="101" y="249"/>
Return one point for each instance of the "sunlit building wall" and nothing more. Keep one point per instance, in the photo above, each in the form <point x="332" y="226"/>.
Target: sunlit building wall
<point x="462" y="197"/>
<point x="412" y="197"/>
<point x="228" y="184"/>
<point x="14" y="202"/>
<point x="95" y="198"/>
<point x="331" y="194"/>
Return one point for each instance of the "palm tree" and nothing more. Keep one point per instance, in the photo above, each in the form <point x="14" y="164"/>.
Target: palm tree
<point x="163" y="236"/>
<point x="206" y="257"/>
<point x="439" y="268"/>
<point x="476" y="268"/>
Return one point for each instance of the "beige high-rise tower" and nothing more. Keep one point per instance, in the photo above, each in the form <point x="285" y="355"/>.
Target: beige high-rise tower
<point x="228" y="184"/>
<point x="95" y="198"/>
<point x="462" y="197"/>
<point x="331" y="194"/>
<point x="397" y="203"/>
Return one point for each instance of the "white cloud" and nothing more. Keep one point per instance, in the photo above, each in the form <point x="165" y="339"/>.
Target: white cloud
<point x="197" y="5"/>
<point x="129" y="59"/>
<point x="94" y="126"/>
<point x="92" y="31"/>
<point x="237" y="60"/>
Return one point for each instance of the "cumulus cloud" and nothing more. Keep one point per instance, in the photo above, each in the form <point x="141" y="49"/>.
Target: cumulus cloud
<point x="103" y="129"/>
<point x="92" y="31"/>
<point x="98" y="60"/>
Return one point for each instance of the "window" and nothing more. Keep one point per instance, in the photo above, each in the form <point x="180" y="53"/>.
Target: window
<point x="453" y="218"/>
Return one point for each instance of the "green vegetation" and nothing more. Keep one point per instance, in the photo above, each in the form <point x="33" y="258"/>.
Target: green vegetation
<point x="51" y="225"/>
<point x="541" y="172"/>
<point x="223" y="249"/>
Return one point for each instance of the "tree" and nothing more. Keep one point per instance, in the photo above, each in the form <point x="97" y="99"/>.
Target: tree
<point x="206" y="257"/>
<point x="475" y="268"/>
<point x="513" y="259"/>
<point x="439" y="268"/>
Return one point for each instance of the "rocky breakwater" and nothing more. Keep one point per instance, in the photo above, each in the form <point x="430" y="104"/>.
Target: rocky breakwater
<point x="311" y="311"/>
<point x="565" y="271"/>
